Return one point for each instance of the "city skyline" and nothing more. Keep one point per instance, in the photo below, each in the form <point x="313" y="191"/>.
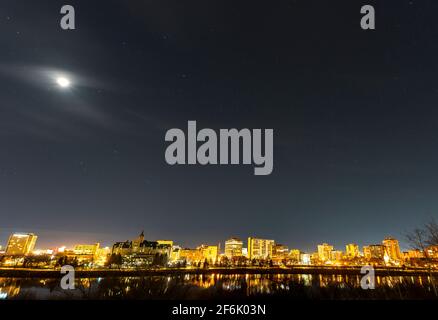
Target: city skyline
<point x="140" y="252"/>
<point x="53" y="244"/>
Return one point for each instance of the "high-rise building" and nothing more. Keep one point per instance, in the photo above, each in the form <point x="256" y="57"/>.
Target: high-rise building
<point x="306" y="259"/>
<point x="233" y="248"/>
<point x="392" y="249"/>
<point x="352" y="250"/>
<point x="21" y="244"/>
<point x="260" y="248"/>
<point x="374" y="251"/>
<point x="324" y="252"/>
<point x="295" y="255"/>
<point x="336" y="255"/>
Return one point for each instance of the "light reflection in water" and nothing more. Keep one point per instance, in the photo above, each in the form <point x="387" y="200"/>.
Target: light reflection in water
<point x="189" y="286"/>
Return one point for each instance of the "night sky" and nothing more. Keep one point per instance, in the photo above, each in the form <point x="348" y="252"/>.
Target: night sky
<point x="354" y="115"/>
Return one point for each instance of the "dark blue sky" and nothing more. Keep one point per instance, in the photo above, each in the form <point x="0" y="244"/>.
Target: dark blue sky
<point x="354" y="115"/>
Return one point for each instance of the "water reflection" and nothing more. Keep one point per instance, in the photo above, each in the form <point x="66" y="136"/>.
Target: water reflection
<point x="203" y="286"/>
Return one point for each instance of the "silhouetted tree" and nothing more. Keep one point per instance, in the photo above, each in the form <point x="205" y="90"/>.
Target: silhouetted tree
<point x="420" y="239"/>
<point x="115" y="259"/>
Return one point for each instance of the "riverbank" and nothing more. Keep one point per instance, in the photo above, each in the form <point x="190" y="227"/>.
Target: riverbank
<point x="101" y="273"/>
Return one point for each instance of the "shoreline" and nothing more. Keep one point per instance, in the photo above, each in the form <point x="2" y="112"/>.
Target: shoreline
<point x="101" y="273"/>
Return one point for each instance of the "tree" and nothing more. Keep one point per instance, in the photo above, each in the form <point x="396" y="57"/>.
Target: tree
<point x="420" y="239"/>
<point x="417" y="239"/>
<point x="62" y="260"/>
<point x="115" y="259"/>
<point x="432" y="233"/>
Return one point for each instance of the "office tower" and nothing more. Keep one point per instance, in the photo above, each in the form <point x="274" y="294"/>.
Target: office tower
<point x="233" y="248"/>
<point x="260" y="248"/>
<point x="324" y="252"/>
<point x="21" y="244"/>
<point x="392" y="249"/>
<point x="374" y="251"/>
<point x="352" y="250"/>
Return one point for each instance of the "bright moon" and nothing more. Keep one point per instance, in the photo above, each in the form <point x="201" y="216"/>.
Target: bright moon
<point x="63" y="82"/>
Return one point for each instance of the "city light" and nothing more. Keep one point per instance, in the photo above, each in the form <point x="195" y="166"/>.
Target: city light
<point x="257" y="253"/>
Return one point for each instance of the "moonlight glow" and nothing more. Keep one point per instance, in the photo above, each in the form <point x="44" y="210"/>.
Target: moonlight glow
<point x="63" y="82"/>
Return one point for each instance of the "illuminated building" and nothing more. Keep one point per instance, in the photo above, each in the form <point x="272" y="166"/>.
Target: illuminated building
<point x="233" y="248"/>
<point x="200" y="254"/>
<point x="101" y="256"/>
<point x="191" y="256"/>
<point x="21" y="244"/>
<point x="175" y="253"/>
<point x="352" y="250"/>
<point x="366" y="252"/>
<point x="374" y="251"/>
<point x="166" y="242"/>
<point x="87" y="254"/>
<point x="42" y="252"/>
<point x="260" y="248"/>
<point x="413" y="254"/>
<point x="140" y="251"/>
<point x="294" y="255"/>
<point x="336" y="255"/>
<point x="432" y="251"/>
<point x="305" y="259"/>
<point x="324" y="252"/>
<point x="86" y="249"/>
<point x="140" y="246"/>
<point x="392" y="249"/>
<point x="209" y="253"/>
<point x="280" y="251"/>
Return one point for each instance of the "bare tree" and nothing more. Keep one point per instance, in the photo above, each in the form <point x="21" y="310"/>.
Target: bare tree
<point x="420" y="239"/>
<point x="417" y="239"/>
<point x="432" y="233"/>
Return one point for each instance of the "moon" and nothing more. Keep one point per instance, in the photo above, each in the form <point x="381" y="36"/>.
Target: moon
<point x="63" y="82"/>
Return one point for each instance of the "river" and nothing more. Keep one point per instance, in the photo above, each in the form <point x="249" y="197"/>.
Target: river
<point x="220" y="286"/>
